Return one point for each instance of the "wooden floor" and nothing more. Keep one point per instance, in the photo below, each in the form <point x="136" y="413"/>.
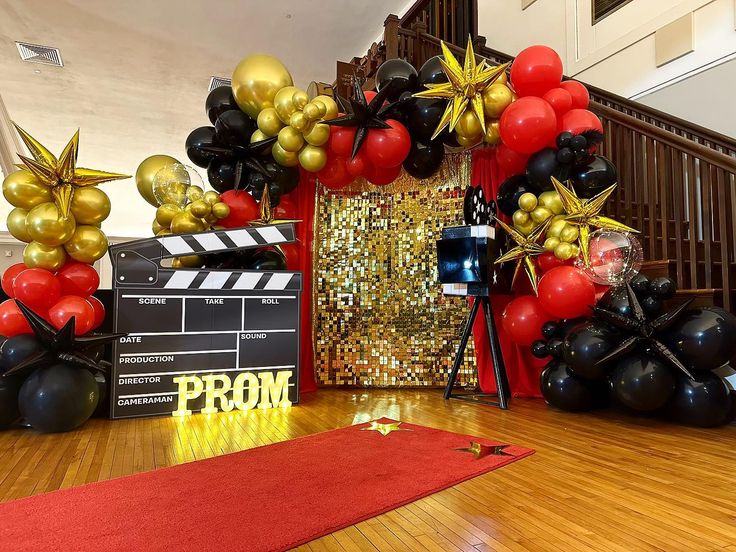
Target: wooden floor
<point x="597" y="482"/>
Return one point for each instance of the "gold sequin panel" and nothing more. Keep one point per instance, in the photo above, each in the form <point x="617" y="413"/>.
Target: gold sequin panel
<point x="380" y="316"/>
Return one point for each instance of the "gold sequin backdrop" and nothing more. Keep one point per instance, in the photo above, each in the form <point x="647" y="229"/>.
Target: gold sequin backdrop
<point x="380" y="316"/>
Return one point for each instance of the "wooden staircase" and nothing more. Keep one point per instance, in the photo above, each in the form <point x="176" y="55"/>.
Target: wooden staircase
<point x="677" y="180"/>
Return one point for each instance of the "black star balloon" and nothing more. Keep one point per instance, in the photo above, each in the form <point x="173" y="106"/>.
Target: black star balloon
<point x="639" y="331"/>
<point x="60" y="345"/>
<point x="243" y="157"/>
<point x="361" y="114"/>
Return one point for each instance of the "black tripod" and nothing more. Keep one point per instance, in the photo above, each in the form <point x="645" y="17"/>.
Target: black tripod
<point x="499" y="368"/>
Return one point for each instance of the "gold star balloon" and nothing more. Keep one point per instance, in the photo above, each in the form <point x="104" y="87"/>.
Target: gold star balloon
<point x="61" y="175"/>
<point x="464" y="89"/>
<point x="526" y="248"/>
<point x="585" y="213"/>
<point x="384" y="429"/>
<point x="479" y="450"/>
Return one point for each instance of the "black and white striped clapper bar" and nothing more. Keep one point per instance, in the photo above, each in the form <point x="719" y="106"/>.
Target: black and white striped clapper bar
<point x="207" y="338"/>
<point x="465" y="257"/>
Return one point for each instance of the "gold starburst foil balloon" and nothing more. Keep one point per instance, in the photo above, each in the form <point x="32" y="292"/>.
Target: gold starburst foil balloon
<point x="526" y="248"/>
<point x="464" y="91"/>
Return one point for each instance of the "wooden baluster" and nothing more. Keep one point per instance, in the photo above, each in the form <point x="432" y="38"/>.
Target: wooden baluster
<point x="726" y="232"/>
<point x="678" y="189"/>
<point x="663" y="181"/>
<point x="694" y="222"/>
<point x="706" y="206"/>
<point x="639" y="160"/>
<point x="651" y="181"/>
<point x="391" y="36"/>
<point x="420" y="55"/>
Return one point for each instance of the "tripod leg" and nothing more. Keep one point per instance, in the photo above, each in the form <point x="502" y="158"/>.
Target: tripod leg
<point x="499" y="368"/>
<point x="461" y="350"/>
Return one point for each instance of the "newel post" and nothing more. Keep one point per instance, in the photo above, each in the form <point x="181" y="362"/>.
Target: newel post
<point x="391" y="36"/>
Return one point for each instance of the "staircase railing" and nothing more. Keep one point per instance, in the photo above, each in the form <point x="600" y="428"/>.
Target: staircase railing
<point x="677" y="180"/>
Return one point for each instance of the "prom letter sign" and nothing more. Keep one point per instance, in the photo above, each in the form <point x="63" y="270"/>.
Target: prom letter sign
<point x="203" y="340"/>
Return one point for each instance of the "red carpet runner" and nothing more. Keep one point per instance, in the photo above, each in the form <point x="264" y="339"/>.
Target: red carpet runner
<point x="269" y="498"/>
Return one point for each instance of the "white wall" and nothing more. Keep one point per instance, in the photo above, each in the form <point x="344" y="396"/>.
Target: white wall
<point x="616" y="54"/>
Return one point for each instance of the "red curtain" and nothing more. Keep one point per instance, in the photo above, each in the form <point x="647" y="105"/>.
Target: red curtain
<point x="522" y="368"/>
<point x="299" y="205"/>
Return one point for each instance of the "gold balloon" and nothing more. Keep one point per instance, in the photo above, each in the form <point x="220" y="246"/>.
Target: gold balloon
<point x="283" y="157"/>
<point x="569" y="233"/>
<point x="87" y="244"/>
<point x="319" y="135"/>
<point x="469" y="126"/>
<point x="212" y="197"/>
<point x="527" y="228"/>
<point x="528" y="201"/>
<point x="269" y="123"/>
<point x="90" y="205"/>
<point x="290" y="139"/>
<point x="24" y="190"/>
<point x="551" y="200"/>
<point x="493" y="133"/>
<point x="38" y="255"/>
<point x="145" y="173"/>
<point x="520" y="218"/>
<point x="556" y="228"/>
<point x="541" y="214"/>
<point x="298" y="121"/>
<point x="564" y="251"/>
<point x="283" y="102"/>
<point x="496" y="98"/>
<point x="166" y="213"/>
<point x="194" y="193"/>
<point x="187" y="223"/>
<point x="468" y="142"/>
<point x="221" y="210"/>
<point x="191" y="261"/>
<point x="256" y="80"/>
<point x="164" y="232"/>
<point x="502" y="78"/>
<point x="331" y="109"/>
<point x="300" y="99"/>
<point x="312" y="158"/>
<point x="313" y="111"/>
<point x="156" y="227"/>
<point x="211" y="219"/>
<point x="200" y="208"/>
<point x="17" y="225"/>
<point x="46" y="225"/>
<point x="551" y="243"/>
<point x="259" y="136"/>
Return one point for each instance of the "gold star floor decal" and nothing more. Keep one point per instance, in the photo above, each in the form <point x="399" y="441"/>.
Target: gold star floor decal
<point x="479" y="450"/>
<point x="384" y="429"/>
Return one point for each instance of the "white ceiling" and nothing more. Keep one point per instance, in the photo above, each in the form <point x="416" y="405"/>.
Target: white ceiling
<point x="136" y="71"/>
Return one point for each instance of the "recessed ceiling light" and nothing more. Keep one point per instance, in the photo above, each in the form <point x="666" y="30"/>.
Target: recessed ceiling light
<point x="288" y="16"/>
<point x="37" y="71"/>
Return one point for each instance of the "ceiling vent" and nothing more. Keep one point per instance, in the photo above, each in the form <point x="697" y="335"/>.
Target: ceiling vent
<point x="33" y="53"/>
<point x="219" y="81"/>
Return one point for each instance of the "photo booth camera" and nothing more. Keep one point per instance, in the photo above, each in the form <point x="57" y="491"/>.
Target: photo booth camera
<point x="465" y="265"/>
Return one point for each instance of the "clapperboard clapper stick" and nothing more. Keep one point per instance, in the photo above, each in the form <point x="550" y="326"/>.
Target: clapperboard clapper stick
<point x="201" y="339"/>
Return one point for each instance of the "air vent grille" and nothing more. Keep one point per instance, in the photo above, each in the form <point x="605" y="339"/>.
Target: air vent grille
<point x="219" y="81"/>
<point x="33" y="53"/>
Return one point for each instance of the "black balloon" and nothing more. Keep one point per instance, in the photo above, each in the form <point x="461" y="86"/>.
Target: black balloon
<point x="16" y="349"/>
<point x="398" y="75"/>
<point x="507" y="197"/>
<point x="651" y="305"/>
<point x="422" y="117"/>
<point x="640" y="284"/>
<point x="704" y="402"/>
<point x="267" y="259"/>
<point x="587" y="344"/>
<point x="221" y="175"/>
<point x="542" y="166"/>
<point x="283" y="179"/>
<point x="219" y="101"/>
<point x="593" y="177"/>
<point x="565" y="156"/>
<point x="563" y="139"/>
<point x="554" y="346"/>
<point x="616" y="300"/>
<point x="58" y="398"/>
<point x="198" y="138"/>
<point x="424" y="160"/>
<point x="539" y="349"/>
<point x="563" y="390"/>
<point x="234" y="128"/>
<point x="663" y="287"/>
<point x="9" y="387"/>
<point x="550" y="329"/>
<point x="431" y="72"/>
<point x="642" y="382"/>
<point x="703" y="338"/>
<point x="103" y="405"/>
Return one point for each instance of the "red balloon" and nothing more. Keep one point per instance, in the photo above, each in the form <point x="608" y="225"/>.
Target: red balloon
<point x="536" y="70"/>
<point x="523" y="318"/>
<point x="388" y="147"/>
<point x="547" y="261"/>
<point x="381" y="177"/>
<point x="369" y="95"/>
<point x="578" y="121"/>
<point x="9" y="275"/>
<point x="560" y="100"/>
<point x="291" y="252"/>
<point x="578" y="92"/>
<point x="99" y="309"/>
<point x="528" y="125"/>
<point x="37" y="288"/>
<point x="72" y="306"/>
<point x="511" y="161"/>
<point x="358" y="165"/>
<point x="78" y="279"/>
<point x="243" y="209"/>
<point x="334" y="175"/>
<point x="12" y="321"/>
<point x="566" y="292"/>
<point x="341" y="140"/>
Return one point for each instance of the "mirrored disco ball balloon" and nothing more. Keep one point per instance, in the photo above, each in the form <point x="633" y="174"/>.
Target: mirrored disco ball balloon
<point x="615" y="257"/>
<point x="170" y="184"/>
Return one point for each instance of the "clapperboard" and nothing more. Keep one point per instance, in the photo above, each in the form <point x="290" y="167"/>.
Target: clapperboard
<point x="199" y="322"/>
